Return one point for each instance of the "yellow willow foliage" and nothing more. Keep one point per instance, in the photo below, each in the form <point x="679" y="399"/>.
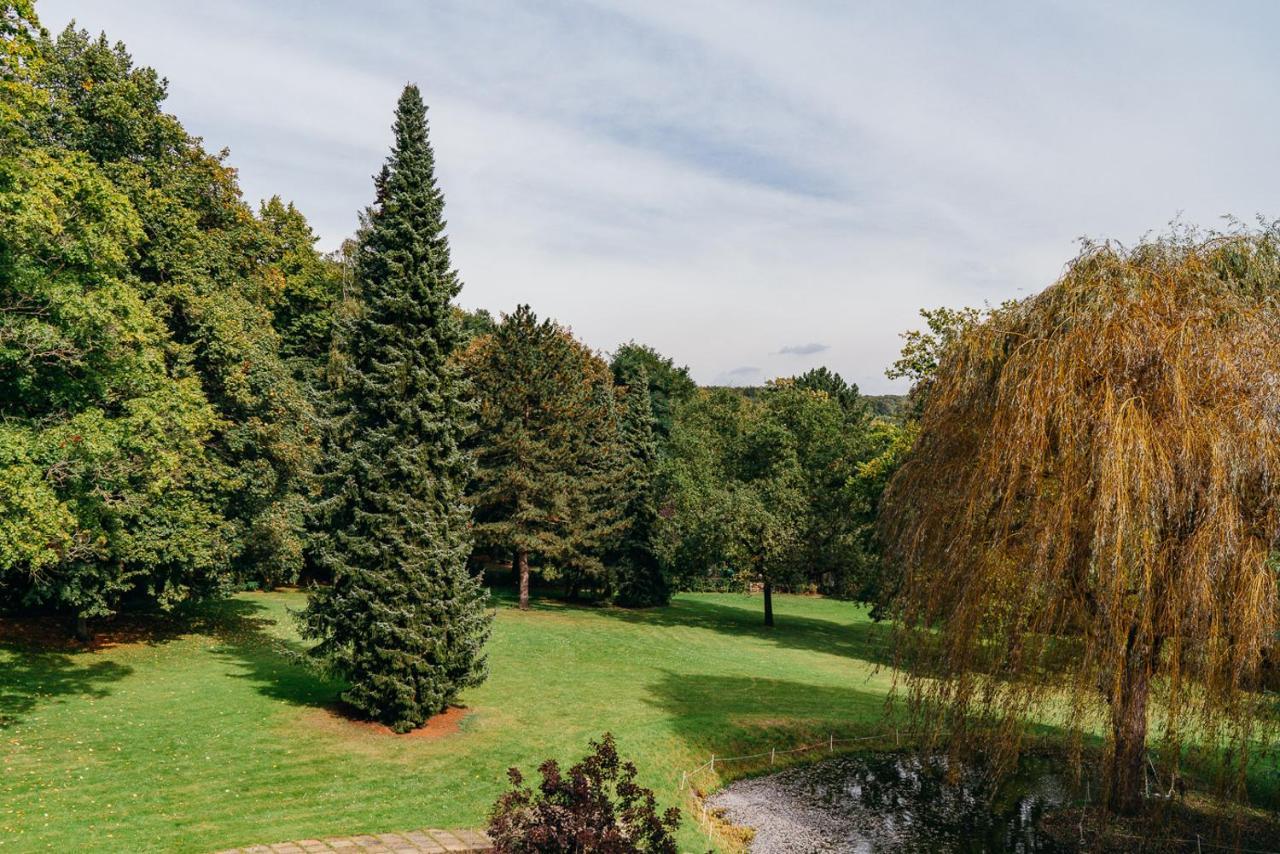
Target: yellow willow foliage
<point x="1093" y="494"/>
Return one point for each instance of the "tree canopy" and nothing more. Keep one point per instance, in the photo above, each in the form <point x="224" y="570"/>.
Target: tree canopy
<point x="138" y="292"/>
<point x="548" y="449"/>
<point x="1091" y="505"/>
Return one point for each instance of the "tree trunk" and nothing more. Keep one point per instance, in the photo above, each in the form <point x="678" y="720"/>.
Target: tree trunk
<point x="82" y="629"/>
<point x="522" y="567"/>
<point x="768" y="603"/>
<point x="1129" y="733"/>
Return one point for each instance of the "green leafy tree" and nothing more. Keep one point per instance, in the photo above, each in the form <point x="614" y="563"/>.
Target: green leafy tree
<point x="108" y="487"/>
<point x="546" y="448"/>
<point x="476" y="323"/>
<point x="830" y="431"/>
<point x="302" y="286"/>
<point x="833" y="385"/>
<point x="403" y="621"/>
<point x="732" y="494"/>
<point x="669" y="385"/>
<point x="206" y="272"/>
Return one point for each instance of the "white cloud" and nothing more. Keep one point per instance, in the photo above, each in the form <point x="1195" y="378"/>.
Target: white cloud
<point x="705" y="177"/>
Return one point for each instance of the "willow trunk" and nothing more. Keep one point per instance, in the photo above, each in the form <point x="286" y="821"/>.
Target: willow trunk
<point x="1129" y="732"/>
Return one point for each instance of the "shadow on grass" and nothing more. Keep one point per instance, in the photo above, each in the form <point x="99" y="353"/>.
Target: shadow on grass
<point x="44" y="664"/>
<point x="276" y="667"/>
<point x="719" y="714"/>
<point x="31" y="678"/>
<point x="864" y="640"/>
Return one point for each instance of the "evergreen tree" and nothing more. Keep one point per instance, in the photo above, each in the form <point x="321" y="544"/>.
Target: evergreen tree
<point x="641" y="582"/>
<point x="669" y="385"/>
<point x="547" y="468"/>
<point x="403" y="620"/>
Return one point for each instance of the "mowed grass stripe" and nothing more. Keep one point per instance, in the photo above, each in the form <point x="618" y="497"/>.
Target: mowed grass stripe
<point x="219" y="737"/>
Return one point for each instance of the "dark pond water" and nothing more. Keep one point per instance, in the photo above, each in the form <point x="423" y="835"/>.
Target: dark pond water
<point x="891" y="802"/>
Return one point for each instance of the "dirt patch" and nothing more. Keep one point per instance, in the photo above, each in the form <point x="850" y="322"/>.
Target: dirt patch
<point x="344" y="718"/>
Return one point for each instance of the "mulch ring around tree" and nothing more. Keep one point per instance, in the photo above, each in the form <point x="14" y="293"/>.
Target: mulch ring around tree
<point x="342" y="717"/>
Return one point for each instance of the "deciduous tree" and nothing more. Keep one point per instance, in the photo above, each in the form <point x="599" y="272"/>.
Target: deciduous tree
<point x="1089" y="512"/>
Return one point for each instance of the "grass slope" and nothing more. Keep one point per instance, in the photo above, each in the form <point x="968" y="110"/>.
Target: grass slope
<point x="209" y="734"/>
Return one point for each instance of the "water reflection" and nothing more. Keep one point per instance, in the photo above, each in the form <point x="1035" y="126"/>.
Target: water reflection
<point x="891" y="802"/>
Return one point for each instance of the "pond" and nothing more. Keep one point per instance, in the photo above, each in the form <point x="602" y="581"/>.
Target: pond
<point x="896" y="802"/>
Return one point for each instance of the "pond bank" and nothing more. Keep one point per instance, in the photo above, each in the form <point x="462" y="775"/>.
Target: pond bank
<point x="895" y="802"/>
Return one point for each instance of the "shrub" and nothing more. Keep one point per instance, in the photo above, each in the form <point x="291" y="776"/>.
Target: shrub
<point x="597" y="806"/>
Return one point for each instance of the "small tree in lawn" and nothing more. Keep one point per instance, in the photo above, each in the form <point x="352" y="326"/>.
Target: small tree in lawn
<point x="596" y="807"/>
<point x="546" y="474"/>
<point x="1091" y="505"/>
<point x="403" y="621"/>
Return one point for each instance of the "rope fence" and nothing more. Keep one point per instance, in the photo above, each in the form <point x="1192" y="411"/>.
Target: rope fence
<point x="773" y="753"/>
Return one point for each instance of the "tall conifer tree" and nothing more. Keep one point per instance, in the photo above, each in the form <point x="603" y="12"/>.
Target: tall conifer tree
<point x="403" y="620"/>
<point x="641" y="581"/>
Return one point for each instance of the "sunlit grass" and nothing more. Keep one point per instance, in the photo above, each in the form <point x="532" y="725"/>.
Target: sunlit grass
<point x="219" y="737"/>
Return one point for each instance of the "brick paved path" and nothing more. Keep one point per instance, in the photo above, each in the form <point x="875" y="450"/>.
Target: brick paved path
<point x="412" y="842"/>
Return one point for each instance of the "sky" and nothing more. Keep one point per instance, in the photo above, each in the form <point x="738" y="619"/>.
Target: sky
<point x="753" y="188"/>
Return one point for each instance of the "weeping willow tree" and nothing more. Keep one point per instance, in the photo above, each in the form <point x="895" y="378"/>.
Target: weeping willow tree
<point x="1085" y="525"/>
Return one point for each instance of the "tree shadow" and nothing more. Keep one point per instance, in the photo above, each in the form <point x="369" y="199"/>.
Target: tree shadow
<point x="32" y="677"/>
<point x="277" y="667"/>
<point x="721" y="714"/>
<point x="862" y="640"/>
<point x="46" y="663"/>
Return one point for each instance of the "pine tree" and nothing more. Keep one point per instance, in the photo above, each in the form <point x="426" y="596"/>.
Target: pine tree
<point x="641" y="582"/>
<point x="403" y="621"/>
<point x="544" y="449"/>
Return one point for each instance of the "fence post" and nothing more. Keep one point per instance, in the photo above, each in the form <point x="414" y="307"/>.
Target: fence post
<point x="831" y="743"/>
<point x="684" y="779"/>
<point x="713" y="763"/>
<point x="896" y="742"/>
<point x="772" y="751"/>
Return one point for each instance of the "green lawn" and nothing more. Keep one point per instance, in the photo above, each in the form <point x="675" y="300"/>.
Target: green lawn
<point x="209" y="734"/>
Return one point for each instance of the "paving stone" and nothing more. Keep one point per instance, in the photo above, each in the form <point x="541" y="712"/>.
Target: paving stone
<point x="408" y="842"/>
<point x="474" y="838"/>
<point x="424" y="842"/>
<point x="449" y="841"/>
